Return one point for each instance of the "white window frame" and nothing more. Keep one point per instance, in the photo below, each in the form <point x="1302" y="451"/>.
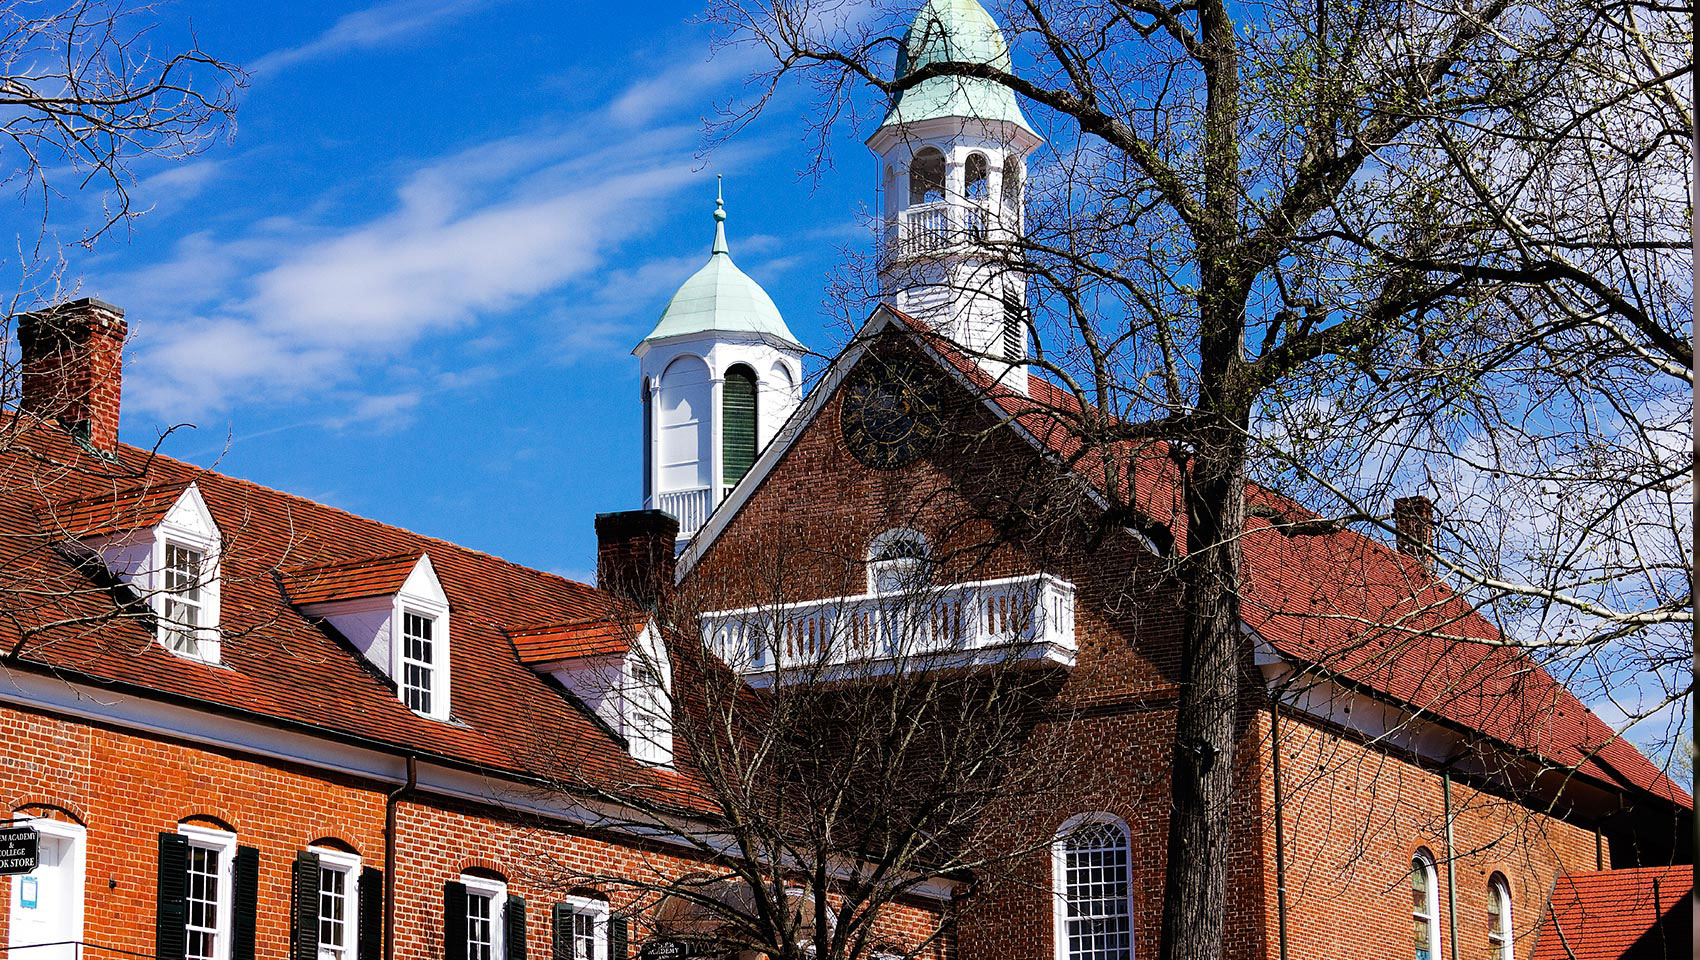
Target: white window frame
<point x="223" y="842"/>
<point x="1431" y="910"/>
<point x="203" y="636"/>
<point x="1059" y="880"/>
<point x="1502" y="941"/>
<point x="347" y="864"/>
<point x="497" y="891"/>
<point x="597" y="910"/>
<point x="438" y="615"/>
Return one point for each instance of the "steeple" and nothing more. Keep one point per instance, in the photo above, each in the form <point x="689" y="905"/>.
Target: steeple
<point x="952" y="152"/>
<point x="721" y="371"/>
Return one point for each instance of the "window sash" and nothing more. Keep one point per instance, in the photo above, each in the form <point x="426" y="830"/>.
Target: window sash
<point x="1096" y="885"/>
<point x="584" y="936"/>
<point x="184" y="574"/>
<point x="334" y="940"/>
<point x="480" y="926"/>
<point x="418" y="661"/>
<point x="204" y="913"/>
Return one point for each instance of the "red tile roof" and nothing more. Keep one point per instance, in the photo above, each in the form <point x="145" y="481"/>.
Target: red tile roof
<point x="1638" y="914"/>
<point x="349" y="580"/>
<point x="1347" y="603"/>
<point x="113" y="511"/>
<point x="278" y="664"/>
<point x="592" y="637"/>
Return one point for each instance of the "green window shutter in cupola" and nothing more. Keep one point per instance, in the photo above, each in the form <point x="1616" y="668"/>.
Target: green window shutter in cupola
<point x="738" y="409"/>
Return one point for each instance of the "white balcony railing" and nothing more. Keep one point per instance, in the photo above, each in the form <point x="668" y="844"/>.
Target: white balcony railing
<point x="1028" y="617"/>
<point x="690" y="507"/>
<point x="942" y="225"/>
<point x="926" y="228"/>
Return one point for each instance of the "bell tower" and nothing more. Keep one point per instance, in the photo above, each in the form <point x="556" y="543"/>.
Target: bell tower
<point x="721" y="372"/>
<point x="952" y="154"/>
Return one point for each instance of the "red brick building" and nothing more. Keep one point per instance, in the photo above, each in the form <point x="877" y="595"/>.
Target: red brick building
<point x="246" y="726"/>
<point x="243" y="723"/>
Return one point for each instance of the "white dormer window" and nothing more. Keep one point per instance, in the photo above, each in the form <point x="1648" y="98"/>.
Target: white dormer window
<point x="161" y="542"/>
<point x="395" y="613"/>
<point x="418" y="662"/>
<point x="618" y="667"/>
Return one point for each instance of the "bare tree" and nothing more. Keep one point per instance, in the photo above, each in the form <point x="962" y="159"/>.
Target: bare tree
<point x="92" y="97"/>
<point x="838" y="760"/>
<point x="1346" y="250"/>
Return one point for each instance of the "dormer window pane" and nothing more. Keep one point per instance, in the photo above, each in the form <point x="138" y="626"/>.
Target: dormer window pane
<point x="182" y="609"/>
<point x="418" y="662"/>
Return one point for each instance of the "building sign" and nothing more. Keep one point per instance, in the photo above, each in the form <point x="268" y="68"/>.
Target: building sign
<point x="663" y="949"/>
<point x="20" y="848"/>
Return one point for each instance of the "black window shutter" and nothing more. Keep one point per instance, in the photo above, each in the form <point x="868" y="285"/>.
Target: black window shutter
<point x="454" y="921"/>
<point x="170" y="934"/>
<point x="304" y="938"/>
<point x="617" y="938"/>
<point x="561" y="932"/>
<point x="515" y="917"/>
<point x="245" y="874"/>
<point x="370" y="944"/>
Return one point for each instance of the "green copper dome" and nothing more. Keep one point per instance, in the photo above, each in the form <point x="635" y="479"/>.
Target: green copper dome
<point x="959" y="31"/>
<point x="721" y="298"/>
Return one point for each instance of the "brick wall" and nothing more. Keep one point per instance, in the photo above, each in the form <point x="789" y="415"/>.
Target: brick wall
<point x="988" y="512"/>
<point x="1354" y="815"/>
<point x="126" y="789"/>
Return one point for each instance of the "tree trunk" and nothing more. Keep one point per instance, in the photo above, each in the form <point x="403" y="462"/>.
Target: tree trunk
<point x="1194" y="902"/>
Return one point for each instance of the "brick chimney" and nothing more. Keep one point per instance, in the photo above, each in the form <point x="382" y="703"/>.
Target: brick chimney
<point x="73" y="368"/>
<point x="1413" y="518"/>
<point x="634" y="554"/>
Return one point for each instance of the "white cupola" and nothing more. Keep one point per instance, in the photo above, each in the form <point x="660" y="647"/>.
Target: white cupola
<point x="952" y="152"/>
<point x="721" y="373"/>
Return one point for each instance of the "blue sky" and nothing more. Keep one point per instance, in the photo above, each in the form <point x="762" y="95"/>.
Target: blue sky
<point x="410" y="285"/>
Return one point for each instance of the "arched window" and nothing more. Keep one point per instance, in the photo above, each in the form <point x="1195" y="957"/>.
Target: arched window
<point x="926" y="176"/>
<point x="1093" y="887"/>
<point x="1012" y="188"/>
<point x="683" y="425"/>
<point x="738" y="437"/>
<point x="898" y="561"/>
<point x="1425" y="906"/>
<point x="975" y="175"/>
<point x="1499" y="918"/>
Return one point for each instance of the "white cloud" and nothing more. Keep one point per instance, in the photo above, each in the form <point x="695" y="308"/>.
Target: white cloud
<point x="365" y="29"/>
<point x="690" y="82"/>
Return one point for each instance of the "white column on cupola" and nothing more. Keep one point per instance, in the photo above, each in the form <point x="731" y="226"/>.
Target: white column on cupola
<point x="952" y="151"/>
<point x="723" y="370"/>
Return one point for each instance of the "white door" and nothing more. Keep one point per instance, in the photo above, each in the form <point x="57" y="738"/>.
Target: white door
<point x="47" y="903"/>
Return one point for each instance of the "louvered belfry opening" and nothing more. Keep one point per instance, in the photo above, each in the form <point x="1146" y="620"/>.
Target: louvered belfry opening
<point x="738" y="407"/>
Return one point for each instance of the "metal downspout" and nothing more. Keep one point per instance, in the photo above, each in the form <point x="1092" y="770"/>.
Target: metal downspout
<point x="1451" y="875"/>
<point x="1280" y="831"/>
<point x="390" y="801"/>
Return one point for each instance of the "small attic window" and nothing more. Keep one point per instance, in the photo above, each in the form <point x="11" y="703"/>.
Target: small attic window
<point x="160" y="541"/>
<point x="182" y="601"/>
<point x="418" y="661"/>
<point x="393" y="611"/>
<point x="616" y="666"/>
